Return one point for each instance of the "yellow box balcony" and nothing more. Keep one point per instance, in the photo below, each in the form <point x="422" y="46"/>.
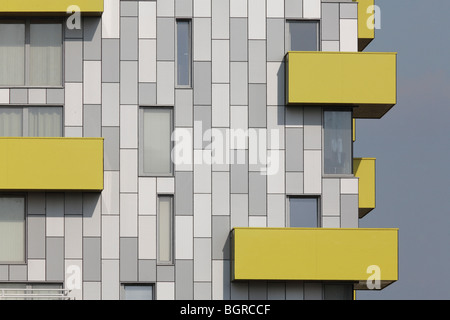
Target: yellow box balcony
<point x="315" y="254"/>
<point x="41" y="7"/>
<point x="69" y="164"/>
<point x="364" y="169"/>
<point x="366" y="23"/>
<point x="366" y="81"/>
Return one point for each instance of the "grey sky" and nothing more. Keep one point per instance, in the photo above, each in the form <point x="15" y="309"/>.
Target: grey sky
<point x="412" y="147"/>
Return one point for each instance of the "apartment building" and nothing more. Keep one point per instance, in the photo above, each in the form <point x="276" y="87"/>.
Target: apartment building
<point x="189" y="149"/>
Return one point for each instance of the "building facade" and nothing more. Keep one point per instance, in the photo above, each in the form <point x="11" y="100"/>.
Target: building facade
<point x="189" y="149"/>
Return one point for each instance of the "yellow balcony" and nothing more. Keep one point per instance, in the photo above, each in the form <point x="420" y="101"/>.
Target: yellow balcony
<point x="366" y="23"/>
<point x="37" y="7"/>
<point x="315" y="254"/>
<point x="69" y="164"/>
<point x="366" y="81"/>
<point x="364" y="169"/>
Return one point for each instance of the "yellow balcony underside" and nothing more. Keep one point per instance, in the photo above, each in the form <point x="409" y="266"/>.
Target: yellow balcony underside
<point x="364" y="169"/>
<point x="49" y="6"/>
<point x="314" y="254"/>
<point x="366" y="23"/>
<point x="71" y="164"/>
<point x="366" y="81"/>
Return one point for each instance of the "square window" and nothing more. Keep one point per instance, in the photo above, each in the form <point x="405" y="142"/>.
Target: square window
<point x="302" y="35"/>
<point x="31" y="53"/>
<point x="303" y="213"/>
<point x="11" y="122"/>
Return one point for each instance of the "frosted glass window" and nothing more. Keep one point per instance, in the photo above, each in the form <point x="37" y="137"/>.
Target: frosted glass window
<point x="156" y="145"/>
<point x="303" y="213"/>
<point x="45" y="122"/>
<point x="12" y="54"/>
<point x="31" y="53"/>
<point x="137" y="292"/>
<point x="303" y="36"/>
<point x="45" y="54"/>
<point x="12" y="229"/>
<point x="338" y="155"/>
<point x="11" y="122"/>
<point x="31" y="121"/>
<point x="165" y="229"/>
<point x="183" y="52"/>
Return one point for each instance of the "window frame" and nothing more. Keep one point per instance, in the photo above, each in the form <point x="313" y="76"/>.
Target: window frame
<point x="142" y="173"/>
<point x="318" y="213"/>
<point x="25" y="117"/>
<point x="25" y="227"/>
<point x="177" y="85"/>
<point x="333" y="175"/>
<point x="287" y="39"/>
<point x="172" y="231"/>
<point x="27" y="22"/>
<point x="136" y="284"/>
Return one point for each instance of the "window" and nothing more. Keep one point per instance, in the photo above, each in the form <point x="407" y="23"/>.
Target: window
<point x="337" y="291"/>
<point x="165" y="227"/>
<point x="184" y="52"/>
<point x="338" y="142"/>
<point x="11" y="122"/>
<point x="31" y="121"/>
<point x="303" y="213"/>
<point x="155" y="143"/>
<point x="12" y="229"/>
<point x="303" y="36"/>
<point x="136" y="292"/>
<point x="30" y="53"/>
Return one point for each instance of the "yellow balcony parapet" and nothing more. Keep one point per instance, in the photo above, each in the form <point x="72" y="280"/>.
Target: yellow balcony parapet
<point x="366" y="23"/>
<point x="315" y="254"/>
<point x="366" y="81"/>
<point x="43" y="7"/>
<point x="364" y="169"/>
<point x="68" y="164"/>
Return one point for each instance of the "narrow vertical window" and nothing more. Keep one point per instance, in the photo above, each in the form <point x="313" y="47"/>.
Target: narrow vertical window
<point x="303" y="213"/>
<point x="338" y="142"/>
<point x="156" y="144"/>
<point x="12" y="229"/>
<point x="45" y="54"/>
<point x="12" y="54"/>
<point x="165" y="224"/>
<point x="303" y="36"/>
<point x="184" y="53"/>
